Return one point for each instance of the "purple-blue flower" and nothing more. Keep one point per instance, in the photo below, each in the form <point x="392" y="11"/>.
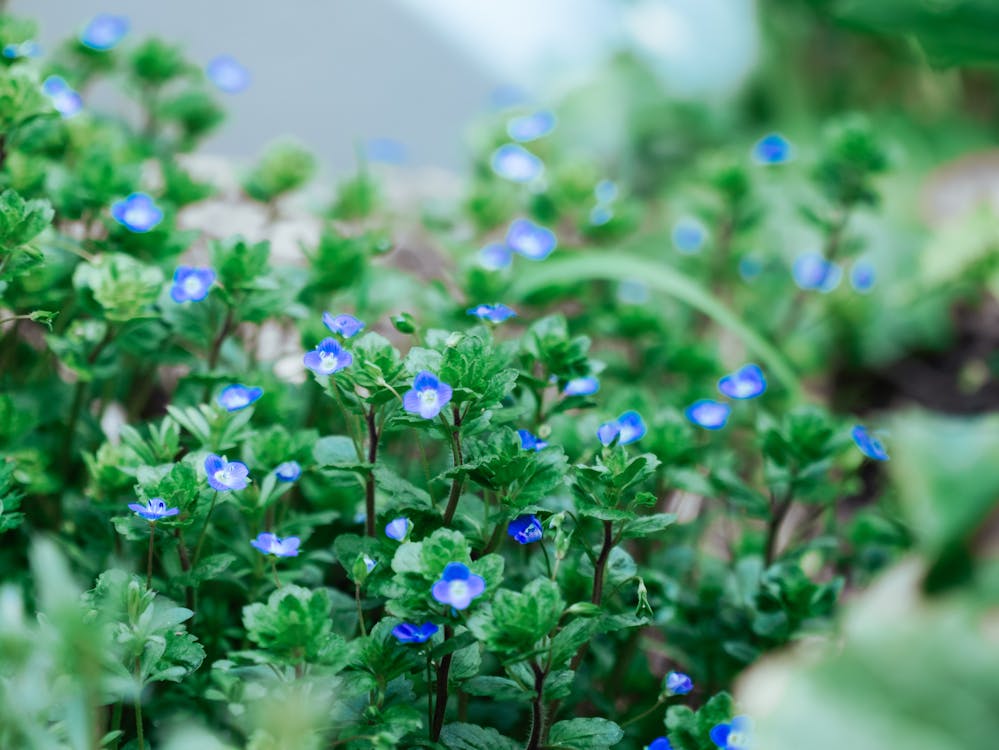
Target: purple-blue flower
<point x="525" y="529"/>
<point x="29" y="48"/>
<point x="772" y="149"/>
<point x="812" y="271"/>
<point x="531" y="240"/>
<point x="746" y="382"/>
<point x="398" y="528"/>
<point x="711" y="415"/>
<point x="515" y="163"/>
<point x="531" y="442"/>
<point x="628" y="428"/>
<point x="237" y="396"/>
<point x="328" y="357"/>
<point x="288" y="471"/>
<point x="104" y="31"/>
<point x="689" y="235"/>
<point x="407" y="632"/>
<point x="600" y="215"/>
<point x="585" y="386"/>
<point x="862" y="276"/>
<point x="531" y="127"/>
<point x="606" y="191"/>
<point x="458" y="586"/>
<point x="343" y="324"/>
<point x="64" y="99"/>
<point x="495" y="256"/>
<point x="427" y="396"/>
<point x="224" y="474"/>
<point x="659" y="743"/>
<point x="191" y="284"/>
<point x="137" y="213"/>
<point x="153" y="510"/>
<point x="493" y="313"/>
<point x="227" y="74"/>
<point x="735" y="735"/>
<point x="869" y="445"/>
<point x="270" y="544"/>
<point x="677" y="683"/>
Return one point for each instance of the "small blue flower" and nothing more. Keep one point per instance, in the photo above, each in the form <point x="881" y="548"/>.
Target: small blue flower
<point x="427" y="396"/>
<point x="772" y="149"/>
<point x="227" y="74"/>
<point x="270" y="544"/>
<point x="750" y="268"/>
<point x="64" y="99"/>
<point x="104" y="31"/>
<point x="689" y="235"/>
<point x="862" y="276"/>
<point x="237" y="396"/>
<point x="407" y="632"/>
<point x="386" y="151"/>
<point x="398" y="528"/>
<point x="531" y="127"/>
<point x="606" y="191"/>
<point x="601" y="215"/>
<point x="493" y="313"/>
<point x="191" y="284"/>
<point x="153" y="510"/>
<point x="811" y="271"/>
<point x="530" y="442"/>
<point x="530" y="240"/>
<point x="628" y="428"/>
<point x="369" y="564"/>
<point x="869" y="445"/>
<point x="735" y="735"/>
<point x="137" y="213"/>
<point x="586" y="386"/>
<point x="328" y="357"/>
<point x="711" y="415"/>
<point x="659" y="743"/>
<point x="746" y="382"/>
<point x="495" y="256"/>
<point x="525" y="529"/>
<point x="29" y="48"/>
<point x="458" y="586"/>
<point x="345" y="325"/>
<point x="288" y="471"/>
<point x="224" y="474"/>
<point x="516" y="163"/>
<point x="677" y="683"/>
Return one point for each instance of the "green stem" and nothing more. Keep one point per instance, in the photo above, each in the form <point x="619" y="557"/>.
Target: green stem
<point x="360" y="610"/>
<point x="456" y="484"/>
<point x="277" y="582"/>
<point x="537" y="709"/>
<point x="440" y="706"/>
<point x="430" y="698"/>
<point x="204" y="530"/>
<point x="138" y="707"/>
<point x="645" y="713"/>
<point x="369" y="482"/>
<point x="149" y="558"/>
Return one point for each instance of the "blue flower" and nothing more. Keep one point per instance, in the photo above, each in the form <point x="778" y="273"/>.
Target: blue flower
<point x="224" y="474"/>
<point x="64" y="99"/>
<point x="328" y="357"/>
<point x="191" y="284"/>
<point x="270" y="544"/>
<point x="628" y="428"/>
<point x="772" y="149"/>
<point x="601" y="215"/>
<point x="493" y="313"/>
<point x="516" y="163"/>
<point x="746" y="382"/>
<point x="386" y="150"/>
<point x="531" y="127"/>
<point x="530" y="442"/>
<point x="369" y="564"/>
<point x="458" y="586"/>
<point x="862" y="276"/>
<point x="812" y="271"/>
<point x="288" y="471"/>
<point x="397" y="528"/>
<point x="427" y="396"/>
<point x="530" y="240"/>
<point x="345" y="325"/>
<point x="689" y="235"/>
<point x="525" y="529"/>
<point x="137" y="213"/>
<point x="495" y="256"/>
<point x="237" y="396"/>
<point x="869" y="445"/>
<point x="659" y="743"/>
<point x="735" y="735"/>
<point x="407" y="632"/>
<point x="677" y="683"/>
<point x="711" y="415"/>
<point x="586" y="386"/>
<point x="227" y="74"/>
<point x="606" y="192"/>
<point x="153" y="510"/>
<point x="104" y="31"/>
<point x="29" y="48"/>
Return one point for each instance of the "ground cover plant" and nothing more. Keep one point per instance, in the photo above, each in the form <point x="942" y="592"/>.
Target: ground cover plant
<point x="561" y="464"/>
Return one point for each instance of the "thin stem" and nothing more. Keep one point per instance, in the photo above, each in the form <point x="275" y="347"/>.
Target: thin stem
<point x="138" y="707"/>
<point x="778" y="512"/>
<point x="430" y="698"/>
<point x="456" y="484"/>
<point x="360" y="610"/>
<point x="149" y="558"/>
<point x="601" y="564"/>
<point x="185" y="565"/>
<point x="116" y="721"/>
<point x="537" y="709"/>
<point x="204" y="530"/>
<point x="213" y="354"/>
<point x="369" y="488"/>
<point x="645" y="713"/>
<point x="440" y="705"/>
<point x="277" y="582"/>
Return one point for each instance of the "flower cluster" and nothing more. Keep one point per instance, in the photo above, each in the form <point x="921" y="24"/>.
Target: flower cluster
<point x="626" y="429"/>
<point x="523" y="237"/>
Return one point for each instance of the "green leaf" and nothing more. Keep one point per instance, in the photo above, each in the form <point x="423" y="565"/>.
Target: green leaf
<point x="473" y="737"/>
<point x="333" y="450"/>
<point x="520" y="619"/>
<point x="585" y="734"/>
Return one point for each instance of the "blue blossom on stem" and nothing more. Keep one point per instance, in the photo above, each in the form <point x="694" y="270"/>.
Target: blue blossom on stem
<point x="493" y="313"/>
<point x="515" y="163"/>
<point x="746" y="382"/>
<point x="288" y="471"/>
<point x="495" y="256"/>
<point x="153" y="510"/>
<point x="137" y="213"/>
<point x="628" y="428"/>
<point x="531" y="442"/>
<point x="585" y="386"/>
<point x="427" y="396"/>
<point x="734" y="735"/>
<point x="531" y="240"/>
<point x="345" y="325"/>
<point x="104" y="31"/>
<point x="531" y="127"/>
<point x="224" y="474"/>
<point x="191" y="284"/>
<point x="29" y="48"/>
<point x="270" y="544"/>
<point x="227" y="74"/>
<point x="862" y="276"/>
<point x="659" y="743"/>
<point x="772" y="148"/>
<point x="606" y="191"/>
<point x="398" y="528"/>
<point x="811" y="271"/>
<point x="328" y="357"/>
<point x="689" y="235"/>
<point x="677" y="683"/>
<point x="600" y="215"/>
<point x="525" y="529"/>
<point x="458" y="586"/>
<point x="237" y="396"/>
<point x="869" y="445"/>
<point x="407" y="632"/>
<point x="64" y="99"/>
<point x="711" y="415"/>
<point x="369" y="564"/>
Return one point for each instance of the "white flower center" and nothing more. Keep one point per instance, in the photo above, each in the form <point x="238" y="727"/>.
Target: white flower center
<point x="458" y="589"/>
<point x="738" y="739"/>
<point x="428" y="397"/>
<point x="222" y="476"/>
<point x="192" y="284"/>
